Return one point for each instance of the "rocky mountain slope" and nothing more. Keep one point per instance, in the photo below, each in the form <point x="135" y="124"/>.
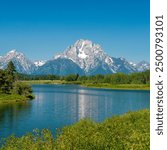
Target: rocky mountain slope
<point x="22" y="64"/>
<point x="60" y="67"/>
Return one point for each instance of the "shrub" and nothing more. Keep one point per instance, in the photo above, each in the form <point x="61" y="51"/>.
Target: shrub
<point x="22" y="89"/>
<point x="72" y="77"/>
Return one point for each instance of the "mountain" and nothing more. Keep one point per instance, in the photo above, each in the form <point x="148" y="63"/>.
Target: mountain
<point x="142" y="66"/>
<point x="59" y="67"/>
<point x="22" y="64"/>
<point x="122" y="65"/>
<point x="93" y="60"/>
<point x="83" y="57"/>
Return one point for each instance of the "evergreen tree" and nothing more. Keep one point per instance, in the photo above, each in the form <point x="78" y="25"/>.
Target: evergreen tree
<point x="11" y="68"/>
<point x="4" y="84"/>
<point x="2" y="80"/>
<point x="10" y="74"/>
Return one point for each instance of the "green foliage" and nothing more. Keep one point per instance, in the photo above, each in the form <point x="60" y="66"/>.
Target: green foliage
<point x="11" y="68"/>
<point x="71" y="77"/>
<point x="11" y="98"/>
<point x="22" y="89"/>
<point x="129" y="131"/>
<point x="119" y="86"/>
<point x="37" y="77"/>
<point x="11" y="86"/>
<point x="117" y="78"/>
<point x="7" y="78"/>
<point x="140" y="81"/>
<point x="10" y="73"/>
<point x="3" y="82"/>
<point x="42" y="140"/>
<point x="6" y="81"/>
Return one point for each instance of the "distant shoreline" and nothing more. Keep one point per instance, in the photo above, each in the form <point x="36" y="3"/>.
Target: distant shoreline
<point x="93" y="85"/>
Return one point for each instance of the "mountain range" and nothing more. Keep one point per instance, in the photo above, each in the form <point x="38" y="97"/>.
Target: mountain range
<point x="83" y="57"/>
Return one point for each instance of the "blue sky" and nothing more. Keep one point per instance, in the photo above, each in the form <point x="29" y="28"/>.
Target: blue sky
<point x="41" y="28"/>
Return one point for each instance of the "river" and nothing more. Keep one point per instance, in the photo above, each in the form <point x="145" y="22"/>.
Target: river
<point x="56" y="106"/>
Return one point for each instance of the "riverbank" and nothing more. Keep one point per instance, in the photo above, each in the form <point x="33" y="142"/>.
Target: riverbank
<point x="119" y="86"/>
<point x="128" y="131"/>
<point x="93" y="85"/>
<point x="13" y="98"/>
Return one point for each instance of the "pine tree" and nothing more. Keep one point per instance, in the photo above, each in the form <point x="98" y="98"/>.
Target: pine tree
<point x="2" y="80"/>
<point x="11" y="68"/>
<point x="10" y="74"/>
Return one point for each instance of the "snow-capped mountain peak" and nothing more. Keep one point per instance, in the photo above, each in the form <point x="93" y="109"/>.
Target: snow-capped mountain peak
<point x="12" y="51"/>
<point x="21" y="63"/>
<point x="83" y="48"/>
<point x="85" y="54"/>
<point x="80" y="43"/>
<point x="13" y="54"/>
<point x="93" y="60"/>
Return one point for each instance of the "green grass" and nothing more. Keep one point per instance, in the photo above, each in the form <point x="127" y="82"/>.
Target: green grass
<point x="11" y="98"/>
<point x="119" y="86"/>
<point x="94" y="85"/>
<point x="125" y="132"/>
<point x="43" y="82"/>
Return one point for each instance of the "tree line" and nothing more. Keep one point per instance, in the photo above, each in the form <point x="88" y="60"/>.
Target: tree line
<point x="117" y="78"/>
<point x="10" y="84"/>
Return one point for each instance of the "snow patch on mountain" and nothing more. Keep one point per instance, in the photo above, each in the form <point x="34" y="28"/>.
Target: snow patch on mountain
<point x="39" y="63"/>
<point x="141" y="66"/>
<point x="132" y="63"/>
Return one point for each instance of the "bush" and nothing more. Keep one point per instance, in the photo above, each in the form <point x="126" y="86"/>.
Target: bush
<point x="22" y="89"/>
<point x="130" y="131"/>
<point x="42" y="140"/>
<point x="71" y="77"/>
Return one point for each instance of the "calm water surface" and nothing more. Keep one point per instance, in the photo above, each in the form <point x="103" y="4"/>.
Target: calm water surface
<point x="56" y="106"/>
